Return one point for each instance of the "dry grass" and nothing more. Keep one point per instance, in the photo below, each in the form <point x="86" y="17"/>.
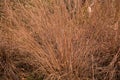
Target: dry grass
<point x="59" y="40"/>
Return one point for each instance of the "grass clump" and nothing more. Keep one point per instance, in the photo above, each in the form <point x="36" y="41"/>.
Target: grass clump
<point x="59" y="40"/>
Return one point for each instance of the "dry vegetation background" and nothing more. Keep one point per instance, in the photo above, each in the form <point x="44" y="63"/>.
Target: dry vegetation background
<point x="59" y="40"/>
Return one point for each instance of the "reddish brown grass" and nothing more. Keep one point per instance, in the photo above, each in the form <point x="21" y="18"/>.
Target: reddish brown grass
<point x="59" y="40"/>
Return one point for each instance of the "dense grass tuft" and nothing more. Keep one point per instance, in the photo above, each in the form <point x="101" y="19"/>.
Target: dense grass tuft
<point x="59" y="40"/>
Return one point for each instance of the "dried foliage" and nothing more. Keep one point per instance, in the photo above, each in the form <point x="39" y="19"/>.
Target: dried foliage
<point x="59" y="40"/>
